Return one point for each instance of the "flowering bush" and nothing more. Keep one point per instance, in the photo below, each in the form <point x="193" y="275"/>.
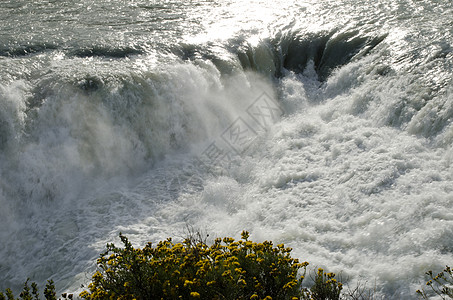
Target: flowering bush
<point x="441" y="284"/>
<point x="227" y="269"/>
<point x="325" y="287"/>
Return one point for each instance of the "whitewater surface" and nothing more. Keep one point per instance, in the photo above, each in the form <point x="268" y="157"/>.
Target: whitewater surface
<point x="324" y="125"/>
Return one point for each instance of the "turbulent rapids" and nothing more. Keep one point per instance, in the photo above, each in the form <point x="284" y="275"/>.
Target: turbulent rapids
<point x="108" y="112"/>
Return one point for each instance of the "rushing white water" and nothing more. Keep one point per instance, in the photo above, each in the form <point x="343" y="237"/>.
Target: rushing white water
<point x="111" y="115"/>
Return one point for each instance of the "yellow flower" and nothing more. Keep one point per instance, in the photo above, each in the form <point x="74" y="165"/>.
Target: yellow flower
<point x="187" y="282"/>
<point x="84" y="294"/>
<point x="195" y="294"/>
<point x="228" y="240"/>
<point x="210" y="283"/>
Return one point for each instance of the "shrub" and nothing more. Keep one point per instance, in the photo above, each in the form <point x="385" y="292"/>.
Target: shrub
<point x="49" y="292"/>
<point x="441" y="284"/>
<point x="227" y="269"/>
<point x="325" y="287"/>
